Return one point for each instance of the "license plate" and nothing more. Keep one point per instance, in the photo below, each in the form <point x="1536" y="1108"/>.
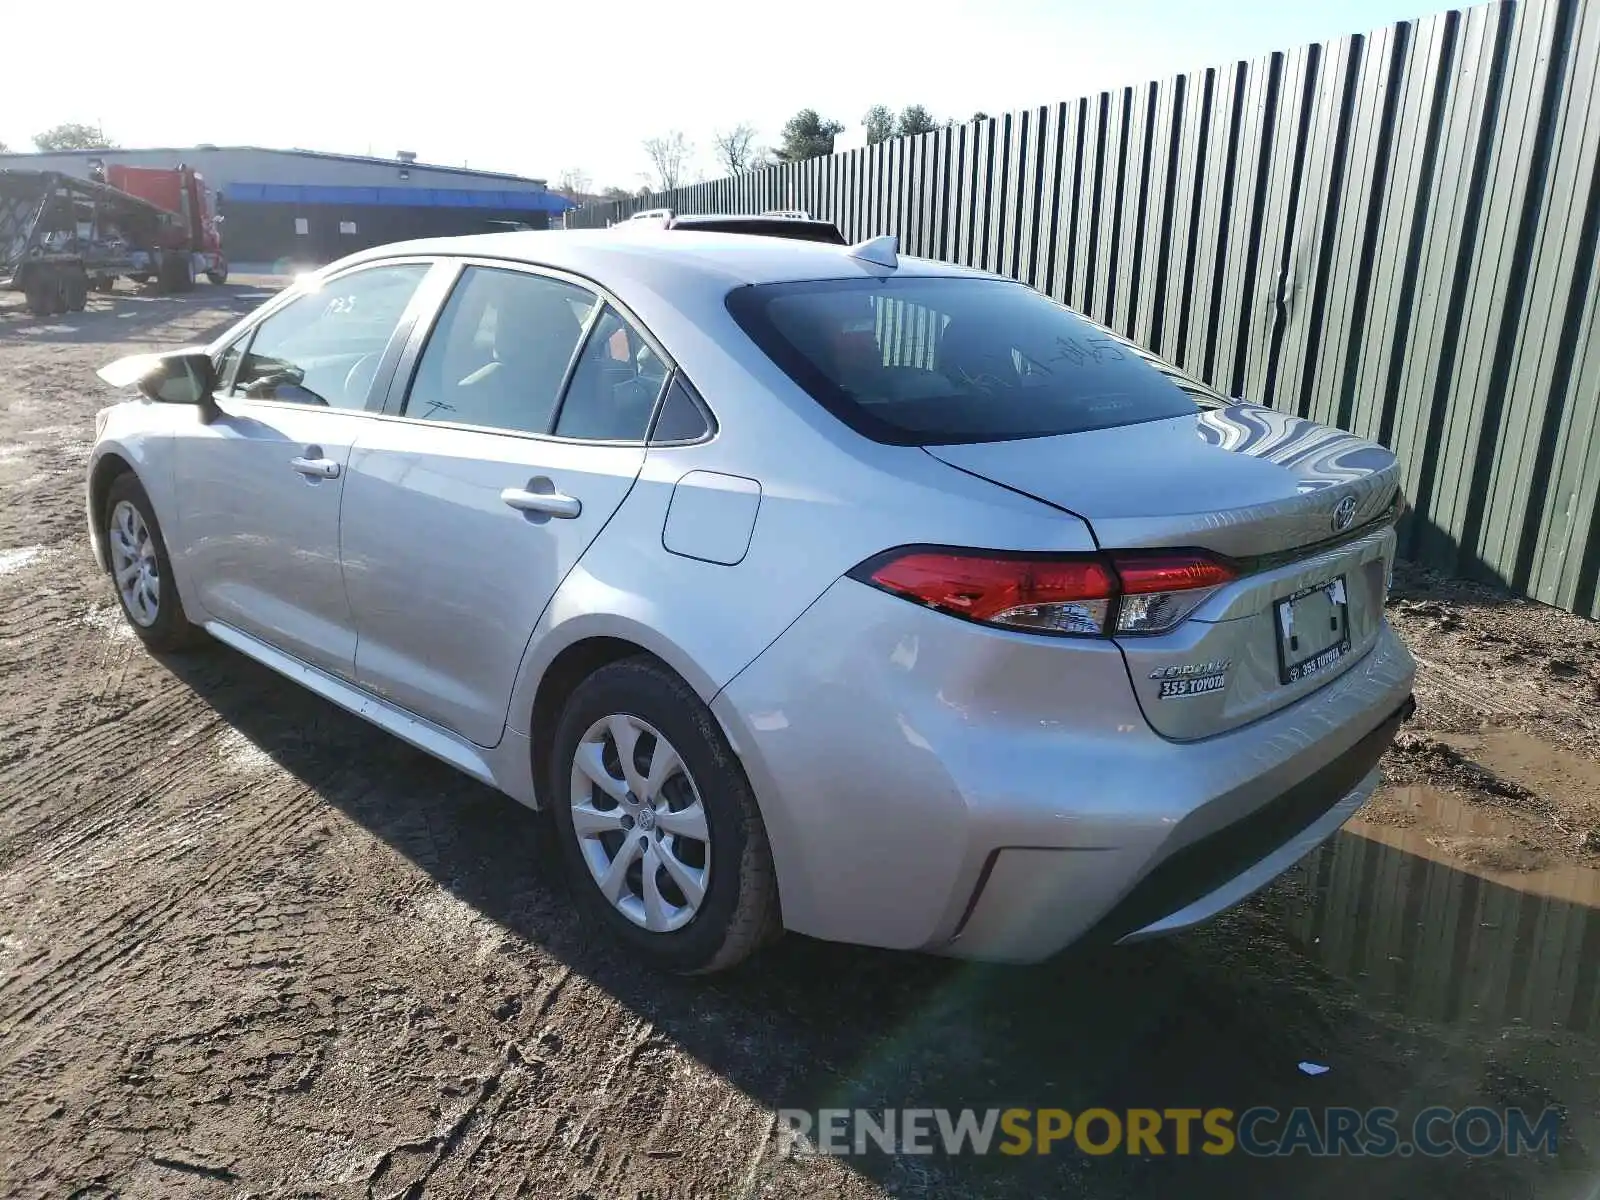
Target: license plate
<point x="1313" y="630"/>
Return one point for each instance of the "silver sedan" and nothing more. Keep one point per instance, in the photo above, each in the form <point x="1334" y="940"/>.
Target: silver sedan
<point x="808" y="587"/>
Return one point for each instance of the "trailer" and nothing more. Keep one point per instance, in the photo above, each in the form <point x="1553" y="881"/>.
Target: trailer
<point x="58" y="233"/>
<point x="61" y="235"/>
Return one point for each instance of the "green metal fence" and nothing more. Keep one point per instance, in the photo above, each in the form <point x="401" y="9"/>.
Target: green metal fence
<point x="1395" y="233"/>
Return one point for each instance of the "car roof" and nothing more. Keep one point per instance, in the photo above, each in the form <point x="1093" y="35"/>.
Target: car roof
<point x="611" y="256"/>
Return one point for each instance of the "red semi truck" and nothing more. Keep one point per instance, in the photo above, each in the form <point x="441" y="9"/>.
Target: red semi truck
<point x="190" y="244"/>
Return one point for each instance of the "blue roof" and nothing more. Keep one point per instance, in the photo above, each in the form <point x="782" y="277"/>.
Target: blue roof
<point x="181" y="153"/>
<point x="400" y="197"/>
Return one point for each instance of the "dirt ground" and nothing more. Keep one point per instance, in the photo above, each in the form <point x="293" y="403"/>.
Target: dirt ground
<point x="252" y="947"/>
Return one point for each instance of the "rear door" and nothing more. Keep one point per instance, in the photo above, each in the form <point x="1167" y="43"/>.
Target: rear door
<point x="512" y="440"/>
<point x="258" y="487"/>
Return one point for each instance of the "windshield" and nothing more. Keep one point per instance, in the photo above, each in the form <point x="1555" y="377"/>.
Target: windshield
<point x="930" y="361"/>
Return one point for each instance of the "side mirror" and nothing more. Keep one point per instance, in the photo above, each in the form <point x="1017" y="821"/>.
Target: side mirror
<point x="175" y="377"/>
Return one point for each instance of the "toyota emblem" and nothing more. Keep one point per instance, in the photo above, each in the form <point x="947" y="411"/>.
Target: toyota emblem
<point x="1343" y="514"/>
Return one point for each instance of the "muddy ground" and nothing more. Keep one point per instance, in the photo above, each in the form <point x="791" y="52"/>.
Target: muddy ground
<point x="250" y="946"/>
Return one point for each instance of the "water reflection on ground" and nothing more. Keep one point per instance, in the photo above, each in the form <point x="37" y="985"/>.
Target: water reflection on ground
<point x="1415" y="927"/>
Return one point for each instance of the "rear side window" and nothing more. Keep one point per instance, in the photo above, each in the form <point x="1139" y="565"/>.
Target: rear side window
<point x="931" y="361"/>
<point x="681" y="419"/>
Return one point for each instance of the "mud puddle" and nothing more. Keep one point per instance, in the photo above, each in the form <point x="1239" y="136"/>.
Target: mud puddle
<point x="1446" y="911"/>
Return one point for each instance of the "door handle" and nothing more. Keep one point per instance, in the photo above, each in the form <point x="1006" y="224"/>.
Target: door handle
<point x="549" y="504"/>
<point x="316" y="468"/>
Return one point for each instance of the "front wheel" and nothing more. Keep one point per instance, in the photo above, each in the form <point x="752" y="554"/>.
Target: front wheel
<point x="658" y="826"/>
<point x="141" y="570"/>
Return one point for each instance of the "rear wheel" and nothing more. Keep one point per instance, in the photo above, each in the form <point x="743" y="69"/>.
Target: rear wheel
<point x="658" y="826"/>
<point x="176" y="274"/>
<point x="76" y="288"/>
<point x="141" y="572"/>
<point x="41" y="293"/>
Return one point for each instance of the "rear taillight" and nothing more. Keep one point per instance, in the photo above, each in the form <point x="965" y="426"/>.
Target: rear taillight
<point x="1075" y="594"/>
<point x="1068" y="594"/>
<point x="1159" y="591"/>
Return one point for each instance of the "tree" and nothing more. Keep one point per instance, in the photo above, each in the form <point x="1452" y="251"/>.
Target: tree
<point x="617" y="193"/>
<point x="669" y="156"/>
<point x="73" y="136"/>
<point x="915" y="119"/>
<point x="736" y="149"/>
<point x="880" y="124"/>
<point x="980" y="115"/>
<point x="4" y="149"/>
<point x="573" y="183"/>
<point x="806" y="135"/>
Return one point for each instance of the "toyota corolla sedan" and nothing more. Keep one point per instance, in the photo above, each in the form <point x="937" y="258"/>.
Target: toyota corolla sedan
<point x="808" y="587"/>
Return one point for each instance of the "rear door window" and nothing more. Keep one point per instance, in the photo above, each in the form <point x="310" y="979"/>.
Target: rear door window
<point x="614" y="387"/>
<point x="943" y="360"/>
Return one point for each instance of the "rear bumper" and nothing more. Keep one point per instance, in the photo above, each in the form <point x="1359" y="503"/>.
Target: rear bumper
<point x="930" y="784"/>
<point x="1203" y="878"/>
<point x="1195" y="882"/>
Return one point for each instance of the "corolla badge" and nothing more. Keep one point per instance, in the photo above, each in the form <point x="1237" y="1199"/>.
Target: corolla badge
<point x="1343" y="514"/>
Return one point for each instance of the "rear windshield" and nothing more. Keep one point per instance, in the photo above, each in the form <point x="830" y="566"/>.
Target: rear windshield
<point x="930" y="361"/>
<point x="784" y="227"/>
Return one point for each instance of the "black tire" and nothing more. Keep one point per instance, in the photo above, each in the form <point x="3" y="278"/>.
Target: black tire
<point x="176" y="274"/>
<point x="77" y="292"/>
<point x="171" y="628"/>
<point x="739" y="911"/>
<point x="61" y="296"/>
<point x="41" y="294"/>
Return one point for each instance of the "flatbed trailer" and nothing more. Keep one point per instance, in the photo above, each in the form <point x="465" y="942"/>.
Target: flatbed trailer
<point x="59" y="234"/>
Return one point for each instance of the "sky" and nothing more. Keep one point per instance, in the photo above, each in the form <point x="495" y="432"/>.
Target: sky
<point x="546" y="88"/>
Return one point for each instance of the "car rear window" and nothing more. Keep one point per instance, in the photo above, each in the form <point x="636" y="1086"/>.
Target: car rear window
<point x="942" y="360"/>
<point x="783" y="227"/>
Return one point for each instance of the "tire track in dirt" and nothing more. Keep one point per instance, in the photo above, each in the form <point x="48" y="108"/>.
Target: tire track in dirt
<point x="80" y="778"/>
<point x="262" y="817"/>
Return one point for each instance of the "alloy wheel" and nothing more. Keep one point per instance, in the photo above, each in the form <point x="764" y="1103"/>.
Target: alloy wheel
<point x="640" y="823"/>
<point x="134" y="565"/>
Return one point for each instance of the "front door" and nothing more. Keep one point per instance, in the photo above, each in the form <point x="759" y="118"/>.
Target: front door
<point x="259" y="487"/>
<point x="462" y="517"/>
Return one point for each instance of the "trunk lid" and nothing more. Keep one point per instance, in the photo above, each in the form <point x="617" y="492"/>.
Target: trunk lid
<point x="1302" y="509"/>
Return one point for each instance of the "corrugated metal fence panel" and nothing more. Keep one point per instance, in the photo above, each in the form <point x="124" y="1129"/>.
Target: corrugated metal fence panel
<point x="1394" y="232"/>
<point x="1562" y="257"/>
